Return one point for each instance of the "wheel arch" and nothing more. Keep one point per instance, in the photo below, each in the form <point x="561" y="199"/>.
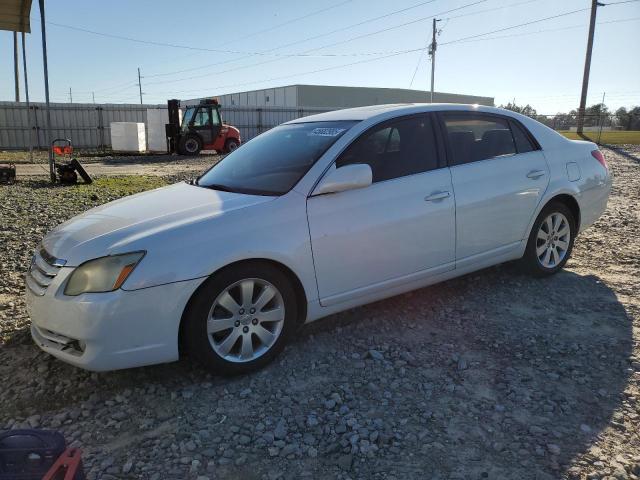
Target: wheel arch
<point x="301" y="296"/>
<point x="566" y="198"/>
<point x="571" y="203"/>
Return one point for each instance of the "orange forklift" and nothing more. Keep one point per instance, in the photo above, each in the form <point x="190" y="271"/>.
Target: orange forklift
<point x="202" y="128"/>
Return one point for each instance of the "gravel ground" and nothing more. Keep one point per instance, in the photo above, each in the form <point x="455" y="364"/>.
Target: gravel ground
<point x="493" y="375"/>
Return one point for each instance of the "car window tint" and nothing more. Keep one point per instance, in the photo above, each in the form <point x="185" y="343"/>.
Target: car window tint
<point x="476" y="137"/>
<point x="273" y="162"/>
<point x="523" y="144"/>
<point x="395" y="149"/>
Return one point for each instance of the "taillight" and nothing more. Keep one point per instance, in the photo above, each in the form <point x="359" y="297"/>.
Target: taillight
<point x="597" y="154"/>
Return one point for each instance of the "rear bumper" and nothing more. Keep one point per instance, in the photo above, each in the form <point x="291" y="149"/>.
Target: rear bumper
<point x="109" y="331"/>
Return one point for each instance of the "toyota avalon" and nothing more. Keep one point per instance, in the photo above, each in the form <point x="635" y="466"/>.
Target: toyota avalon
<point x="315" y="216"/>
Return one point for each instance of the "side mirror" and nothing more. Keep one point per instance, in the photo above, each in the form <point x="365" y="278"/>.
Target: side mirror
<point x="344" y="178"/>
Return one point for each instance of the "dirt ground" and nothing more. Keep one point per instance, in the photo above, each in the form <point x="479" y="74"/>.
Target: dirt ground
<point x="493" y="375"/>
<point x="159" y="165"/>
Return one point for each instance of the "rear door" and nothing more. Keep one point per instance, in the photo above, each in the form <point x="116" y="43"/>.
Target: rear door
<point x="499" y="175"/>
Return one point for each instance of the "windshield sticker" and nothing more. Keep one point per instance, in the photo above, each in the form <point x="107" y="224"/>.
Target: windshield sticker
<point x="326" y="132"/>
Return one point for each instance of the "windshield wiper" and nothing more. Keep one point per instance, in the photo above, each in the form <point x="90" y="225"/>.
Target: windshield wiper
<point x="217" y="186"/>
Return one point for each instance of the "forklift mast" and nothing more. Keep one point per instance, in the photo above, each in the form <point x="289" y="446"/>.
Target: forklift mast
<point x="172" y="129"/>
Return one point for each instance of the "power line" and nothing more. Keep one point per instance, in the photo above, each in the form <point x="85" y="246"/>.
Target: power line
<point x="532" y="22"/>
<point x="323" y="46"/>
<point x="387" y="56"/>
<point x="517" y="4"/>
<point x="341" y="29"/>
<point x="304" y="40"/>
<point x="569" y="27"/>
<point x="288" y="22"/>
<point x="418" y="64"/>
<point x="417" y="20"/>
<point x="619" y="3"/>
<point x="305" y="73"/>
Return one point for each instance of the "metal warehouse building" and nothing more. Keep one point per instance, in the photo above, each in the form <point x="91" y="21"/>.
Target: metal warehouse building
<point x="335" y="97"/>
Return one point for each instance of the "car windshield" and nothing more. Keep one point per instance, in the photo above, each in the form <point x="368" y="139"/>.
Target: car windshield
<point x="272" y="163"/>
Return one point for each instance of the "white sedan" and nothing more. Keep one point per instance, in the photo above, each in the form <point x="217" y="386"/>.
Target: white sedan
<point x="315" y="216"/>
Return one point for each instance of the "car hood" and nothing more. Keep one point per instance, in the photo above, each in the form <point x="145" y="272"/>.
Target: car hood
<point x="118" y="227"/>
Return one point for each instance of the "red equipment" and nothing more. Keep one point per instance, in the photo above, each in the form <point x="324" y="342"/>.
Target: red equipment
<point x="67" y="467"/>
<point x="67" y="172"/>
<point x="202" y="128"/>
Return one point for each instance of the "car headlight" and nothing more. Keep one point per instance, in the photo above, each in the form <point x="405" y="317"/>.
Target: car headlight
<point x="103" y="274"/>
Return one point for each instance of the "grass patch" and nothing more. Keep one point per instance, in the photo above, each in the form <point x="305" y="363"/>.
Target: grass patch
<point x="611" y="137"/>
<point x="121" y="186"/>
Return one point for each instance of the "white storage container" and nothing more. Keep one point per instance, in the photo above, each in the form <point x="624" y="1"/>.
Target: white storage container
<point x="157" y="118"/>
<point x="128" y="137"/>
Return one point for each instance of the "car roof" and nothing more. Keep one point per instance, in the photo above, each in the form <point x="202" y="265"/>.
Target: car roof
<point x="371" y="111"/>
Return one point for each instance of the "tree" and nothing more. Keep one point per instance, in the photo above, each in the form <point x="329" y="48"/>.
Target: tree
<point x="527" y="110"/>
<point x="622" y="117"/>
<point x="594" y="114"/>
<point x="634" y="119"/>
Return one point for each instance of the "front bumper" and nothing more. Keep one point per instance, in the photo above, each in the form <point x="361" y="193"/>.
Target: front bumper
<point x="109" y="331"/>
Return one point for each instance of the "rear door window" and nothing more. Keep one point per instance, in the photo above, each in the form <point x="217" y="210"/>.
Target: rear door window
<point x="473" y="137"/>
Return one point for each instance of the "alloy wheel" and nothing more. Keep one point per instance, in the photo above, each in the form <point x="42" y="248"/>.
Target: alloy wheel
<point x="553" y="239"/>
<point x="246" y="320"/>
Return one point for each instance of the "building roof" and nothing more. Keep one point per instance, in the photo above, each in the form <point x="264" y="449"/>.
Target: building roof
<point x="14" y="15"/>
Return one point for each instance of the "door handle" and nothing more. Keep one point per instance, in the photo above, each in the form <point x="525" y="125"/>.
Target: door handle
<point x="436" y="196"/>
<point x="534" y="174"/>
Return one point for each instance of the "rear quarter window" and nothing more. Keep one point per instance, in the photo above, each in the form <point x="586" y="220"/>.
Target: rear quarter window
<point x="522" y="139"/>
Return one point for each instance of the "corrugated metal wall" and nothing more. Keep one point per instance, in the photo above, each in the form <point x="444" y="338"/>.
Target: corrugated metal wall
<point x="88" y="125"/>
<point x="253" y="121"/>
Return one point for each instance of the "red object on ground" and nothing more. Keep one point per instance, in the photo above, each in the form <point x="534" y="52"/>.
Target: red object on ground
<point x="63" y="149"/>
<point x="67" y="466"/>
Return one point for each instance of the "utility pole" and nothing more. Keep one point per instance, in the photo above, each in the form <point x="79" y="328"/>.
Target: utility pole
<point x="52" y="171"/>
<point x="140" y="85"/>
<point x="16" y="72"/>
<point x="26" y="95"/>
<point x="93" y="97"/>
<point x="432" y="51"/>
<point x="587" y="65"/>
<point x="70" y="96"/>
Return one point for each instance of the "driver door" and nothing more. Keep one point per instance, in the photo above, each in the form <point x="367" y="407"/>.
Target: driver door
<point x="206" y="122"/>
<point x="398" y="229"/>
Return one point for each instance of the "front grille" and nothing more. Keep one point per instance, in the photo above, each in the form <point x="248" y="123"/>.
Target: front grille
<point x="44" y="267"/>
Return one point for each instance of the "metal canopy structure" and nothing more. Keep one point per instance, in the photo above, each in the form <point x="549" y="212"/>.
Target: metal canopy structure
<point x="14" y="17"/>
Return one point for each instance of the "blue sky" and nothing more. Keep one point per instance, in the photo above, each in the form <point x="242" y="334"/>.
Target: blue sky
<point x="540" y="64"/>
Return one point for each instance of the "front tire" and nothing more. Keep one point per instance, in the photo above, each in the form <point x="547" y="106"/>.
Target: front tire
<point x="230" y="145"/>
<point x="550" y="241"/>
<point x="190" y="145"/>
<point x="240" y="318"/>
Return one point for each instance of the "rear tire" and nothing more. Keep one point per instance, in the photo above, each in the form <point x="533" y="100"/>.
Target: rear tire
<point x="550" y="241"/>
<point x="190" y="145"/>
<point x="228" y="326"/>
<point x="230" y="145"/>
